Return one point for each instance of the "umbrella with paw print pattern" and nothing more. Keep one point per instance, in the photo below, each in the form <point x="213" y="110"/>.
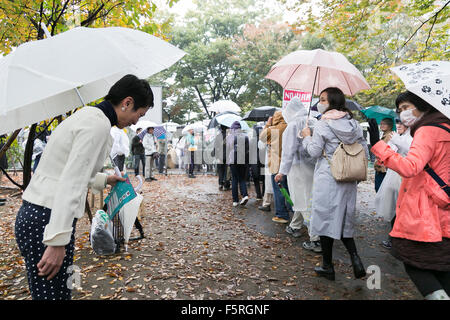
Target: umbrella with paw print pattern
<point x="430" y="80"/>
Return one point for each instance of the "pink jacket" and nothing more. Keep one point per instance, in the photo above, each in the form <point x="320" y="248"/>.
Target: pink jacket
<point x="418" y="216"/>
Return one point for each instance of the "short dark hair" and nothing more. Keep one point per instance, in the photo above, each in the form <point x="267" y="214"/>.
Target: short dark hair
<point x="389" y="122"/>
<point x="336" y="100"/>
<point x="131" y="86"/>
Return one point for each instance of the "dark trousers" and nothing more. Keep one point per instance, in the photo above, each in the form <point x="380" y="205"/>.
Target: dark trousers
<point x="29" y="230"/>
<point x="258" y="180"/>
<point x="137" y="159"/>
<point x="428" y="281"/>
<point x="222" y="173"/>
<point x="162" y="162"/>
<point x="191" y="165"/>
<point x="379" y="176"/>
<point x="238" y="181"/>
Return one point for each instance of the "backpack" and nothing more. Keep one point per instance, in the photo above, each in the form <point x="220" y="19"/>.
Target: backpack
<point x="349" y="163"/>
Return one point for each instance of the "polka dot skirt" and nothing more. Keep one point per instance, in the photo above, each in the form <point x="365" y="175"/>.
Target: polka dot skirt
<point x="29" y="229"/>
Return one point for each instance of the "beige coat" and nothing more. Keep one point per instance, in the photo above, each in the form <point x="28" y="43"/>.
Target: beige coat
<point x="272" y="136"/>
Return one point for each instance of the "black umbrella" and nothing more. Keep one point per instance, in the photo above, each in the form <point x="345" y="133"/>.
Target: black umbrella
<point x="260" y="114"/>
<point x="350" y="104"/>
<point x="213" y="123"/>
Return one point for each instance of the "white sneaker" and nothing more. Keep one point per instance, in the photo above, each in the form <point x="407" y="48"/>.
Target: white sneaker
<point x="438" y="295"/>
<point x="244" y="200"/>
<point x="235" y="204"/>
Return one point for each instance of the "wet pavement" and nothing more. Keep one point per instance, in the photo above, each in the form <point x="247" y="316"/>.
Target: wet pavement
<point x="198" y="246"/>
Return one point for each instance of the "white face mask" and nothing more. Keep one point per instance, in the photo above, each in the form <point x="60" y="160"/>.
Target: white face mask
<point x="322" y="107"/>
<point x="408" y="118"/>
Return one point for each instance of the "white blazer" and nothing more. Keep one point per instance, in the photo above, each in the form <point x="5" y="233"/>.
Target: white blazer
<point x="69" y="165"/>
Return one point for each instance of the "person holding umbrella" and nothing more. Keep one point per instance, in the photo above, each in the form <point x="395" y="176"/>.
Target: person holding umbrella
<point x="256" y="166"/>
<point x="238" y="159"/>
<point x="421" y="233"/>
<point x="151" y="152"/>
<point x="191" y="147"/>
<point x="219" y="152"/>
<point x="55" y="198"/>
<point x="333" y="203"/>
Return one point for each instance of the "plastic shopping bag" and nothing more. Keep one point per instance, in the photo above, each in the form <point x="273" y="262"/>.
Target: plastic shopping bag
<point x="102" y="240"/>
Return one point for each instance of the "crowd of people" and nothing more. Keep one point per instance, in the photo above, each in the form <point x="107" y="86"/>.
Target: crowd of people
<point x="291" y="160"/>
<point x="298" y="148"/>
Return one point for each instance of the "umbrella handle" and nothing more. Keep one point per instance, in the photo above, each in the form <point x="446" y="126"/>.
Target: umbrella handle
<point x="139" y="186"/>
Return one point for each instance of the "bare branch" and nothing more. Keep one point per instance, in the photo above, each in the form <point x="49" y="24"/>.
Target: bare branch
<point x="11" y="179"/>
<point x="423" y="23"/>
<point x="428" y="38"/>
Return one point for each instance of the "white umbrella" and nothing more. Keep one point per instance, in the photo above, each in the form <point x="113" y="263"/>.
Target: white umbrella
<point x="229" y="118"/>
<point x="197" y="127"/>
<point x="127" y="216"/>
<point x="46" y="78"/>
<point x="170" y="126"/>
<point x="224" y="105"/>
<point x="144" y="124"/>
<point x="429" y="80"/>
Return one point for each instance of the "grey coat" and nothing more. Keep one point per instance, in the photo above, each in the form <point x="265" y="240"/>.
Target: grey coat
<point x="333" y="203"/>
<point x="242" y="147"/>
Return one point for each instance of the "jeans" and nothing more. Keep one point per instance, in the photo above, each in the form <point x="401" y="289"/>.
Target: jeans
<point x="282" y="208"/>
<point x="238" y="179"/>
<point x="139" y="158"/>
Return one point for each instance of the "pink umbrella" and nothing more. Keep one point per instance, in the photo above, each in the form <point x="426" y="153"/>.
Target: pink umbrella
<point x="315" y="70"/>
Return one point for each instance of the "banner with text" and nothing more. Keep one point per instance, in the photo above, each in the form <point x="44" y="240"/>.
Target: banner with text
<point x="288" y="94"/>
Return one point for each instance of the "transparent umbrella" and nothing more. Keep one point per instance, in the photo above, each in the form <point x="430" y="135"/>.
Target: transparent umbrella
<point x="224" y="105"/>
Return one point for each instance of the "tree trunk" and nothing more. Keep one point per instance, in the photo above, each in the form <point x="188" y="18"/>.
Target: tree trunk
<point x="27" y="157"/>
<point x="9" y="142"/>
<point x="203" y="101"/>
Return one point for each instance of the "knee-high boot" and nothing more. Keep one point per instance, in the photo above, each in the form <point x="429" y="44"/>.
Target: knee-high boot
<point x="358" y="267"/>
<point x="326" y="270"/>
